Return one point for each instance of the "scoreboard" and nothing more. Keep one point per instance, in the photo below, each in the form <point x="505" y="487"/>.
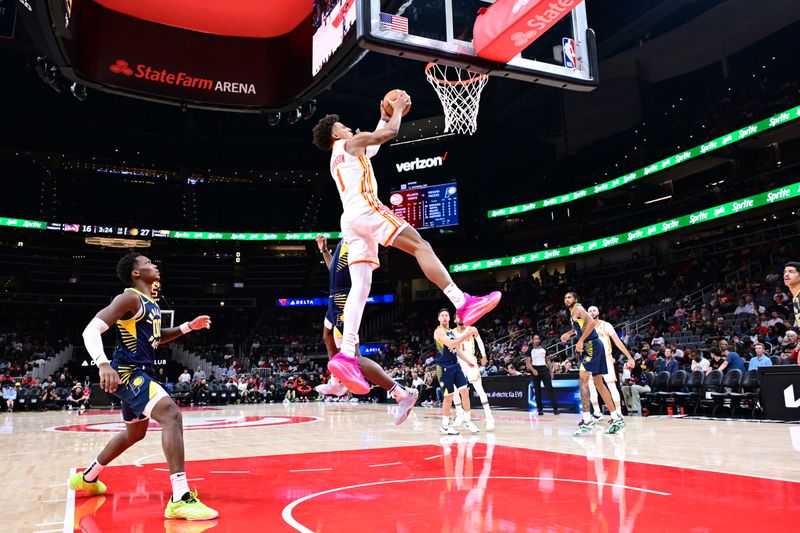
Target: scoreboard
<point x="426" y="206"/>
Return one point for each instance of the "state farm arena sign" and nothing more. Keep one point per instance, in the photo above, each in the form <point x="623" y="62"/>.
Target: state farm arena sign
<point x="191" y="423"/>
<point x="180" y="79"/>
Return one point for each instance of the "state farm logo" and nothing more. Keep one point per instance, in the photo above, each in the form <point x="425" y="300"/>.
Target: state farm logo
<point x="121" y="67"/>
<point x="180" y="79"/>
<point x="541" y="17"/>
<point x="194" y="423"/>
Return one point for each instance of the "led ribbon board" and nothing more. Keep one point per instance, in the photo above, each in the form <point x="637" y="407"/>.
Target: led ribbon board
<point x="22" y="223"/>
<point x="706" y="215"/>
<point x="677" y="159"/>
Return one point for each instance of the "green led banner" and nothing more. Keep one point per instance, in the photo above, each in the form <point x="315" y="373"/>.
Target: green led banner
<point x="710" y="146"/>
<point x="218" y="236"/>
<point x="22" y="223"/>
<point x="706" y="215"/>
<point x="122" y="232"/>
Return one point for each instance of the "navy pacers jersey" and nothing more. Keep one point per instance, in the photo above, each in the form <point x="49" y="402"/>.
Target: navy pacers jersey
<point x="444" y="355"/>
<point x="579" y="324"/>
<point x="339" y="288"/>
<point x="138" y="336"/>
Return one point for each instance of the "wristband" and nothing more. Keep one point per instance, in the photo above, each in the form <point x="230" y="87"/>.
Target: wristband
<point x="185" y="328"/>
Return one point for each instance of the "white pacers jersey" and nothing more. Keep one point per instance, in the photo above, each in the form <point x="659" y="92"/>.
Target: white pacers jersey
<point x="604" y="331"/>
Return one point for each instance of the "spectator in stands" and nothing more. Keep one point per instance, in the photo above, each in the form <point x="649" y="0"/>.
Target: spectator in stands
<point x="231" y="371"/>
<point x="633" y="389"/>
<point x="199" y="391"/>
<point x="745" y="306"/>
<point x="76" y="397"/>
<point x="733" y="361"/>
<point x="162" y="376"/>
<point x="212" y="377"/>
<point x="788" y="345"/>
<point x="9" y="395"/>
<point x="775" y="319"/>
<point x="185" y="377"/>
<point x="199" y="374"/>
<point x="658" y="340"/>
<point x="669" y="363"/>
<point x="700" y="363"/>
<point x="760" y="358"/>
<point x="679" y="354"/>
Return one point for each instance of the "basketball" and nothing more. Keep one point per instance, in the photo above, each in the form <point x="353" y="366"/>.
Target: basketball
<point x="391" y="95"/>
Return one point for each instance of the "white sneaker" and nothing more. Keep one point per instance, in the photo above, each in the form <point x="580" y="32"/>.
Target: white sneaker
<point x="471" y="426"/>
<point x="405" y="406"/>
<point x="458" y="421"/>
<point x="448" y="429"/>
<point x="490" y="423"/>
<point x="598" y="417"/>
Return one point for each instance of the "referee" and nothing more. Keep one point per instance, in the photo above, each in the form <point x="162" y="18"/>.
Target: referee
<point x="537" y="364"/>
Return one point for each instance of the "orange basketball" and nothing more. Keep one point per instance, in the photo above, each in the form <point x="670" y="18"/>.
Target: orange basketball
<point x="391" y="95"/>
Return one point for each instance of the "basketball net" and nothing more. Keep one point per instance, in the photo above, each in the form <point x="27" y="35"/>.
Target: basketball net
<point x="459" y="90"/>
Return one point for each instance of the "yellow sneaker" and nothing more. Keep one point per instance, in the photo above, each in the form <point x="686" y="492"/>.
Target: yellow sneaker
<point x="95" y="488"/>
<point x="190" y="509"/>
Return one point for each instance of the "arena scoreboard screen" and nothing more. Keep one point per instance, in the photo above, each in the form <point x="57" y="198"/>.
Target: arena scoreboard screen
<point x="426" y="206"/>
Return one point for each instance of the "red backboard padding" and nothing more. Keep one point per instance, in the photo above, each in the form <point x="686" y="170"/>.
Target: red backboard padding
<point x="507" y="27"/>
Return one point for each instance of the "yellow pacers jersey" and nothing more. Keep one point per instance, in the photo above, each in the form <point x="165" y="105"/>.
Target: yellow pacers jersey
<point x="138" y="336"/>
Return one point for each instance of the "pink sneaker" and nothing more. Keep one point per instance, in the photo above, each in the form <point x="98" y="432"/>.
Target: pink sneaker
<point x="477" y="306"/>
<point x="346" y="369"/>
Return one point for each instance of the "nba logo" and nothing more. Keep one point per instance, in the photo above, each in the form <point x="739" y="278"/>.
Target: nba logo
<point x="570" y="57"/>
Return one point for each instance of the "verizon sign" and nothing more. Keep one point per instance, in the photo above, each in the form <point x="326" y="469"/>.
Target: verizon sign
<point x="419" y="164"/>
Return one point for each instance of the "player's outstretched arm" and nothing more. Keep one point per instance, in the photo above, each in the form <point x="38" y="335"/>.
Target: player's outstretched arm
<point x="621" y="345"/>
<point x="373" y="150"/>
<point x="123" y="306"/>
<point x="359" y="143"/>
<point x="322" y="243"/>
<point x="452" y="344"/>
<point x="201" y="322"/>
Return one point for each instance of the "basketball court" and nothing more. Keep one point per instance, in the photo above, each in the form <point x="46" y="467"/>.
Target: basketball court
<point x="346" y="467"/>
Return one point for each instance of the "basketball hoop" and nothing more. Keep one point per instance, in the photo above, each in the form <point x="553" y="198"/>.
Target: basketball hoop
<point x="459" y="90"/>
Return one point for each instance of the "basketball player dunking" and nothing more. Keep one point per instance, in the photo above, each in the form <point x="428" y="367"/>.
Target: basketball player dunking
<point x="366" y="223"/>
<point x="136" y="319"/>
<point x="472" y="371"/>
<point x="332" y="335"/>
<point x="593" y="364"/>
<point x="607" y="335"/>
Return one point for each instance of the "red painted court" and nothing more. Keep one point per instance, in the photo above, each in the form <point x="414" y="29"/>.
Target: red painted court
<point x="463" y="486"/>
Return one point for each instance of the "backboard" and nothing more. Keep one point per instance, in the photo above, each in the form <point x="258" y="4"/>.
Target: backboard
<point x="441" y="31"/>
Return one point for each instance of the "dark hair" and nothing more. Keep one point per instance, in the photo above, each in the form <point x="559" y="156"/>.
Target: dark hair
<point x="793" y="264"/>
<point x="715" y="351"/>
<point x="323" y="131"/>
<point x="125" y="267"/>
<point x="443" y="310"/>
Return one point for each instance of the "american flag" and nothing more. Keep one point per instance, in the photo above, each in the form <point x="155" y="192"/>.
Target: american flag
<point x="394" y="22"/>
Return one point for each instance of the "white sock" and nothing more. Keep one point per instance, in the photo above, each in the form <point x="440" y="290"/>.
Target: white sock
<point x="586" y="417"/>
<point x="455" y="295"/>
<point x="91" y="473"/>
<point x="466" y="415"/>
<point x="361" y="281"/>
<point x="398" y="392"/>
<point x="484" y="399"/>
<point x="615" y="395"/>
<point x="616" y="415"/>
<point x="445" y="420"/>
<point x="179" y="485"/>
